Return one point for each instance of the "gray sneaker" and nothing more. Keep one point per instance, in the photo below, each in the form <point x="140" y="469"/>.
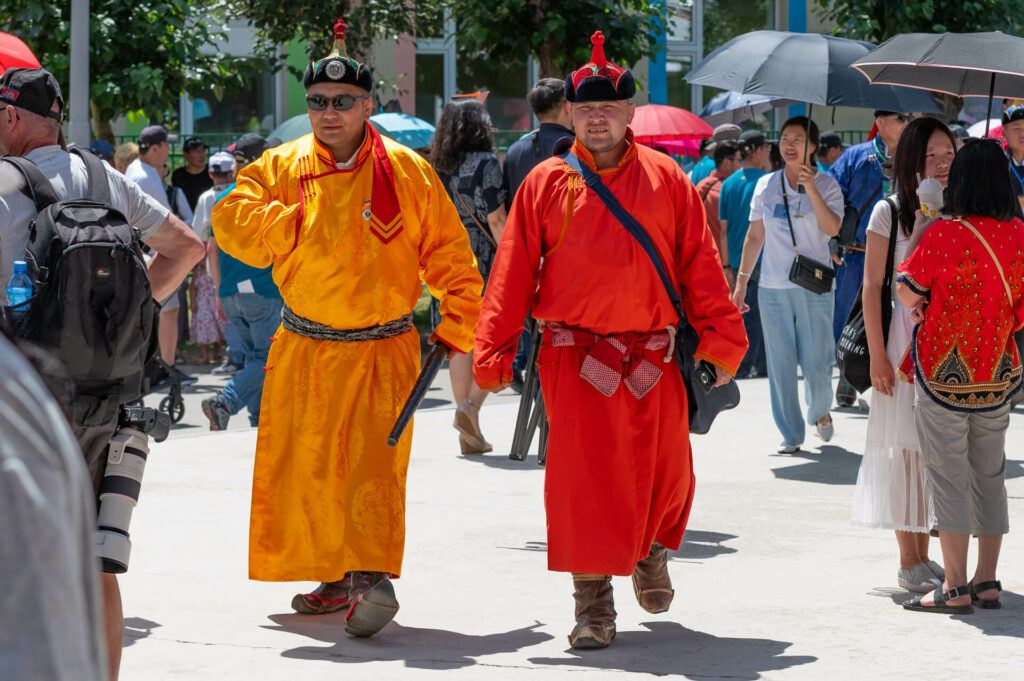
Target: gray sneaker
<point x="227" y="368"/>
<point x="936" y="569"/>
<point x="919" y="579"/>
<point x="217" y="411"/>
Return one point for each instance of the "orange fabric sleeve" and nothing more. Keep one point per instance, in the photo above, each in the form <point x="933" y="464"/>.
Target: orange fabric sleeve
<point x="511" y="286"/>
<point x="447" y="265"/>
<point x="252" y="223"/>
<point x="707" y="301"/>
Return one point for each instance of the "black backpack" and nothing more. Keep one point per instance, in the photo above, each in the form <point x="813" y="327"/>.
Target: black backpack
<point x="91" y="303"/>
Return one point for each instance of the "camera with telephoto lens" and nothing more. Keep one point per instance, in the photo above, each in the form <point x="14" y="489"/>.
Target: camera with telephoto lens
<point x="122" y="480"/>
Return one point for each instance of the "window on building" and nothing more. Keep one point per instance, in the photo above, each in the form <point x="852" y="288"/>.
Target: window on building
<point x="248" y="110"/>
<point x="507" y="83"/>
<point x="429" y="86"/>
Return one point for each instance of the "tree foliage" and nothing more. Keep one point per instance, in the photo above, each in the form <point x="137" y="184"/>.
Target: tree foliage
<point x="878" y="20"/>
<point x="556" y="32"/>
<point x="144" y="54"/>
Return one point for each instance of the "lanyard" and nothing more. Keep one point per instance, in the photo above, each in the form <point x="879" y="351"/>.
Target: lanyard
<point x="882" y="158"/>
<point x="1013" y="168"/>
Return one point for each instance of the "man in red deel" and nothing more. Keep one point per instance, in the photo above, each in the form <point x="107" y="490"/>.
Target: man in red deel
<point x="619" y="479"/>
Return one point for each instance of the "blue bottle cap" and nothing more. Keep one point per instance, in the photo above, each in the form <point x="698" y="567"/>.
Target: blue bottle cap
<point x="20" y="266"/>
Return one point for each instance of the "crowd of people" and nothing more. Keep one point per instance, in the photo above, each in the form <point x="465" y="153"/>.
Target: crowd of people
<point x="769" y="243"/>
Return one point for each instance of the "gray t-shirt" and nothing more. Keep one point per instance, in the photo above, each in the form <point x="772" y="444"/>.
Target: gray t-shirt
<point x="50" y="613"/>
<point x="70" y="180"/>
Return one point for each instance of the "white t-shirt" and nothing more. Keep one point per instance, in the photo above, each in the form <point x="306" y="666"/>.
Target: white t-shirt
<point x="50" y="614"/>
<point x="147" y="177"/>
<point x="767" y="205"/>
<point x="880" y="223"/>
<point x="70" y="180"/>
<point x="204" y="210"/>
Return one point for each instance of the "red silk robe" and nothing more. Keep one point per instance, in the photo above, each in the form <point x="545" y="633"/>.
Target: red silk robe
<point x="619" y="469"/>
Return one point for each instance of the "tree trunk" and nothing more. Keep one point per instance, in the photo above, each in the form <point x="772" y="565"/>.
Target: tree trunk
<point x="545" y="64"/>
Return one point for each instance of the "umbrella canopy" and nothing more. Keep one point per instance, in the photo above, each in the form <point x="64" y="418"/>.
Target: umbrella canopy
<point x="677" y="147"/>
<point x="408" y="130"/>
<point x="736" y="107"/>
<point x="661" y="123"/>
<point x="293" y="128"/>
<point x="405" y="129"/>
<point x="992" y="127"/>
<point x="962" y="64"/>
<point x="15" y="54"/>
<point x="807" y="67"/>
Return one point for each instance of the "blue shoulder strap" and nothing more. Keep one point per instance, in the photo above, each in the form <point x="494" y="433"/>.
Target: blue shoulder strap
<point x="593" y="180"/>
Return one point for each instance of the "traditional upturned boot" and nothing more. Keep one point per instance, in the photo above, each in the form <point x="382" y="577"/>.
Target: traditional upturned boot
<point x="326" y="598"/>
<point x="595" y="611"/>
<point x="373" y="603"/>
<point x="651" y="583"/>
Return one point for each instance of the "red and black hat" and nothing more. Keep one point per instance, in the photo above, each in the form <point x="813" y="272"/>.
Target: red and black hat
<point x="338" y="67"/>
<point x="597" y="80"/>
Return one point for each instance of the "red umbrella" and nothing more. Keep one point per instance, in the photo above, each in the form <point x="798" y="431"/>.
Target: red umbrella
<point x="660" y="123"/>
<point x="14" y="53"/>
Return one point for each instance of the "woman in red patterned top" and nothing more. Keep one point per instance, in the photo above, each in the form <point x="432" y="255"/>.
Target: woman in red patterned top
<point x="964" y="282"/>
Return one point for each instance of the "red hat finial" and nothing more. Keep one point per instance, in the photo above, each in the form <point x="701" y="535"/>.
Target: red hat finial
<point x="339" y="29"/>
<point x="597" y="55"/>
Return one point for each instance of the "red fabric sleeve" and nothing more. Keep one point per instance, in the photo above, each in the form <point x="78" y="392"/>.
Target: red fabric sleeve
<point x="706" y="297"/>
<point x="510" y="287"/>
<point x="918" y="271"/>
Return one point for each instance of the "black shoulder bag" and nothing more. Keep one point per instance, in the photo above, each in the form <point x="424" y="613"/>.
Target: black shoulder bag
<point x="806" y="272"/>
<point x="851" y="219"/>
<point x="852" y="355"/>
<point x="703" y="406"/>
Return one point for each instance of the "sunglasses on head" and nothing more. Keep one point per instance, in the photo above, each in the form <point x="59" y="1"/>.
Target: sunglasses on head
<point x="340" y="103"/>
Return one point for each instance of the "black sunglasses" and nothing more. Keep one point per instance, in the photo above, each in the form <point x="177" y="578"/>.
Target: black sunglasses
<point x="340" y="103"/>
<point x="904" y="118"/>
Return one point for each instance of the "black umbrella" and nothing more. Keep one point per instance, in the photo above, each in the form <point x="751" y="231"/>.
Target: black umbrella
<point x="960" y="64"/>
<point x="808" y="67"/>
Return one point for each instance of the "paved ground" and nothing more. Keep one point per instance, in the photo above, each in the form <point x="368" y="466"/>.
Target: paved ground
<point x="772" y="580"/>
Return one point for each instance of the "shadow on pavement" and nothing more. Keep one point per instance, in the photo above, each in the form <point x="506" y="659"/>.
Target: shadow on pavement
<point x="1002" y="622"/>
<point x="701" y="545"/>
<point x="136" y="628"/>
<point x="418" y="648"/>
<point x="831" y="465"/>
<point x="1014" y="469"/>
<point x="495" y="460"/>
<point x="669" y="648"/>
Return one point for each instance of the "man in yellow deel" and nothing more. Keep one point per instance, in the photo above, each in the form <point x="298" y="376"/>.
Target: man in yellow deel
<point x="351" y="224"/>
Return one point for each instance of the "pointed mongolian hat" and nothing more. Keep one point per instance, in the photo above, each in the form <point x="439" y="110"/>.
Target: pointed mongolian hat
<point x="598" y="80"/>
<point x="338" y="67"/>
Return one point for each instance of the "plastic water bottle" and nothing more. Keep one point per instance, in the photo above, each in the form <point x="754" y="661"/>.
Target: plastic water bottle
<point x="19" y="291"/>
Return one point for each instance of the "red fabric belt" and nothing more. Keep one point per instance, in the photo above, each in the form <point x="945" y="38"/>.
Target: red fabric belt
<point x="614" y="359"/>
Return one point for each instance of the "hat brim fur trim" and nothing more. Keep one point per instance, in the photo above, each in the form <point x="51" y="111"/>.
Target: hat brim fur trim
<point x="600" y="88"/>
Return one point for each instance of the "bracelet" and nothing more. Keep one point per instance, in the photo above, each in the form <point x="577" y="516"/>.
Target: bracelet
<point x="743" y="274"/>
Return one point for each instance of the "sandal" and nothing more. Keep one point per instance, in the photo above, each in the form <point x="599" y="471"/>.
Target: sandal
<point x="991" y="604"/>
<point x="471" y="440"/>
<point x="940" y="602"/>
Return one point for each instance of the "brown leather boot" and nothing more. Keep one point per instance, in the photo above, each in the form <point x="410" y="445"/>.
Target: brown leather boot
<point x="651" y="582"/>
<point x="595" y="611"/>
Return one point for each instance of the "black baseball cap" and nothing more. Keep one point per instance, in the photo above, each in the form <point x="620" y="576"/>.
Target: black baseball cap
<point x="193" y="143"/>
<point x="33" y="90"/>
<point x="1014" y="113"/>
<point x="752" y="139"/>
<point x="829" y="139"/>
<point x="153" y="135"/>
<point x="250" y="147"/>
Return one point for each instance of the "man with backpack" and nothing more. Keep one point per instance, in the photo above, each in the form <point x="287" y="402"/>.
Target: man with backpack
<point x="31" y="109"/>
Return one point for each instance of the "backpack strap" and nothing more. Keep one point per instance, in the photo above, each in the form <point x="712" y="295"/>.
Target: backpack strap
<point x="37" y="187"/>
<point x="99" y="187"/>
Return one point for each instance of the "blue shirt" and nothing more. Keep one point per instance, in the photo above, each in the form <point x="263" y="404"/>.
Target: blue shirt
<point x="527" y="152"/>
<point x="237" y="277"/>
<point x="859" y="174"/>
<point x="734" y="208"/>
<point x="702" y="169"/>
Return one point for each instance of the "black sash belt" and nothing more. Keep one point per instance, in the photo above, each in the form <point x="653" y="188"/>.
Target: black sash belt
<point x="307" y="327"/>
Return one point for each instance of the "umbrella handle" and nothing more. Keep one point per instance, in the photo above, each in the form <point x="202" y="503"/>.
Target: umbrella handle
<point x="807" y="142"/>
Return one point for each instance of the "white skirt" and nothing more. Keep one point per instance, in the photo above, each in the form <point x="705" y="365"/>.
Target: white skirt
<point x="891" y="491"/>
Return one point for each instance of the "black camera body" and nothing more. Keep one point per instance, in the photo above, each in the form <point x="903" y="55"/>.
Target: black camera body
<point x="153" y="422"/>
<point x="705" y="376"/>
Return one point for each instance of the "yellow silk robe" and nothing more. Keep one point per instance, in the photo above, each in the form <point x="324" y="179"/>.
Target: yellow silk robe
<point x="328" y="493"/>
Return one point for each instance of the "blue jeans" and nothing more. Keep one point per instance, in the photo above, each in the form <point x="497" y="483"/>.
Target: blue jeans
<point x="797" y="326"/>
<point x="849" y="276"/>
<point x="755" y="358"/>
<point x="235" y="354"/>
<point x="256" y="318"/>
